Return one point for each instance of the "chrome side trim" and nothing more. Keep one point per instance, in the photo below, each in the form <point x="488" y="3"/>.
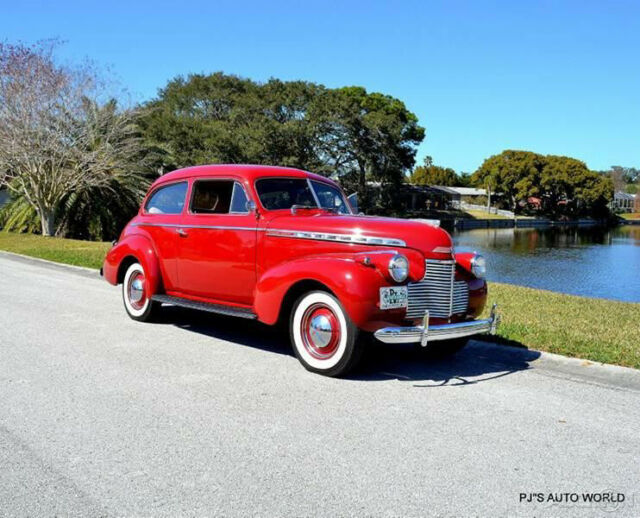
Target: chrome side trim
<point x="176" y="225"/>
<point x="339" y="238"/>
<point x="424" y="334"/>
<point x="297" y="234"/>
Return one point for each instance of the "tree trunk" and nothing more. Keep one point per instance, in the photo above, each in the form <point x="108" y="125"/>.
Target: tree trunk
<point x="363" y="201"/>
<point x="47" y="219"/>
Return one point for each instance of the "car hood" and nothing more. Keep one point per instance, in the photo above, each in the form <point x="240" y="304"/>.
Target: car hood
<point x="420" y="235"/>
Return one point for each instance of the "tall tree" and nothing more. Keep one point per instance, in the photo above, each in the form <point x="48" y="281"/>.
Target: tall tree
<point x="514" y="173"/>
<point x="51" y="141"/>
<point x="92" y="212"/>
<point x="564" y="185"/>
<point x="430" y="174"/>
<point x="624" y="179"/>
<point x="345" y="132"/>
<point x="221" y="118"/>
<point x="366" y="136"/>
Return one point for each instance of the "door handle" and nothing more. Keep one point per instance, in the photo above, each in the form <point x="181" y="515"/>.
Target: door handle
<point x="182" y="232"/>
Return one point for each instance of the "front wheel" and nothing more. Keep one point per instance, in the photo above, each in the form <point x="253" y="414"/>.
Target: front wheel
<point x="323" y="336"/>
<point x="136" y="296"/>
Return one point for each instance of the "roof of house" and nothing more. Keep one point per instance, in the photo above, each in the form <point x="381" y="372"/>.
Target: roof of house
<point x="467" y="191"/>
<point x="445" y="189"/>
<point x="624" y="195"/>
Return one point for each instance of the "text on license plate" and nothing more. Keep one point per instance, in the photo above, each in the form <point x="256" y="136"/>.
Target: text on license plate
<point x="395" y="297"/>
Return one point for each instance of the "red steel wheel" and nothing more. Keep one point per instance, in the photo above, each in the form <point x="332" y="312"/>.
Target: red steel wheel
<point x="135" y="294"/>
<point x="322" y="334"/>
<point x="320" y="331"/>
<point x="136" y="290"/>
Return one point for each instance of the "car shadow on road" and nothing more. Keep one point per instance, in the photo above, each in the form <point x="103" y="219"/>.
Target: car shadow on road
<point x="477" y="362"/>
<point x="241" y="331"/>
<point x="480" y="361"/>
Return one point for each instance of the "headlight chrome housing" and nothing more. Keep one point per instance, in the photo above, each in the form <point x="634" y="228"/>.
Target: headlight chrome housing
<point x="479" y="266"/>
<point x="399" y="268"/>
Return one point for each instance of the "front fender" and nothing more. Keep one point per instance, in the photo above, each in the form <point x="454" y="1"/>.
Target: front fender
<point x="132" y="248"/>
<point x="477" y="286"/>
<point x="356" y="285"/>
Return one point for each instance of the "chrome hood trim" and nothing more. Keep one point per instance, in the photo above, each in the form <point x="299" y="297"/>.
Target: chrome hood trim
<point x="360" y="239"/>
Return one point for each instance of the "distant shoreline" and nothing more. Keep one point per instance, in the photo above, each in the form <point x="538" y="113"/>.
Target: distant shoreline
<point x="465" y="224"/>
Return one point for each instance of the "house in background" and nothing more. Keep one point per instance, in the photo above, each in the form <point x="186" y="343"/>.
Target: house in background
<point x="457" y="196"/>
<point x="625" y="202"/>
<point x="423" y="197"/>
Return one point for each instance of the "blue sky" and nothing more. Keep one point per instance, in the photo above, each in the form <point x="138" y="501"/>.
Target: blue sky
<point x="553" y="77"/>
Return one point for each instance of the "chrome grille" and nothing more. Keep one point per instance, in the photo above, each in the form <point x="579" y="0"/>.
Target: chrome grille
<point x="438" y="292"/>
<point x="460" y="297"/>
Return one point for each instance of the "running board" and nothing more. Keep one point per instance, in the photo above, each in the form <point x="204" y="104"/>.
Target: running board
<point x="221" y="309"/>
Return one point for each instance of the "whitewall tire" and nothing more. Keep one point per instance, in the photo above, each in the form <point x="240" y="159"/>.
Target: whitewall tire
<point x="135" y="294"/>
<point x="323" y="337"/>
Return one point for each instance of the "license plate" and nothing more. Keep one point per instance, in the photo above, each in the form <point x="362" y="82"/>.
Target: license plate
<point x="391" y="298"/>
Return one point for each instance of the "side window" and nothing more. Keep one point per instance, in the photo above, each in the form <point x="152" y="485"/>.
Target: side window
<point x="330" y="197"/>
<point x="238" y="200"/>
<point x="167" y="200"/>
<point x="212" y="196"/>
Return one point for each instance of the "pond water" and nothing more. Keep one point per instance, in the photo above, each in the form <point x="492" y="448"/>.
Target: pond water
<point x="589" y="261"/>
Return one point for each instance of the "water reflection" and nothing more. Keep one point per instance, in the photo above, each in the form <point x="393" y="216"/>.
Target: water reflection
<point x="591" y="261"/>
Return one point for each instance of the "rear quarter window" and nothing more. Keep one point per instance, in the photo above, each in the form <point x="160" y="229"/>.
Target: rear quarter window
<point x="167" y="200"/>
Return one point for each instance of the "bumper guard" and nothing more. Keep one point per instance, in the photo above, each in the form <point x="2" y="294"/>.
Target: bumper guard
<point x="426" y="333"/>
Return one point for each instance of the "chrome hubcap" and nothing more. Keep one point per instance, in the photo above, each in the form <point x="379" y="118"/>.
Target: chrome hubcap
<point x="136" y="291"/>
<point x="320" y="331"/>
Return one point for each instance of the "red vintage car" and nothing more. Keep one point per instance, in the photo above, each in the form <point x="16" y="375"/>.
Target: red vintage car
<point x="283" y="245"/>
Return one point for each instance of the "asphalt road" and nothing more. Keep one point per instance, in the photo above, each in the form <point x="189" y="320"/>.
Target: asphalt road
<point x="204" y="415"/>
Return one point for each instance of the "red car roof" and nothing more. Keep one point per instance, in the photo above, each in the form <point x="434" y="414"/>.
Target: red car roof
<point x="250" y="172"/>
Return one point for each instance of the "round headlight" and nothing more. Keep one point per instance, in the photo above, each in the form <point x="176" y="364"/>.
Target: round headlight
<point x="399" y="268"/>
<point x="479" y="266"/>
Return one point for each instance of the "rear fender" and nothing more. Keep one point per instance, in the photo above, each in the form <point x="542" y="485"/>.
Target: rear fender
<point x="133" y="248"/>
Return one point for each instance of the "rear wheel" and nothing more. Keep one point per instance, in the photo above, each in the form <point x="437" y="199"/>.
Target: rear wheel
<point x="323" y="336"/>
<point x="136" y="296"/>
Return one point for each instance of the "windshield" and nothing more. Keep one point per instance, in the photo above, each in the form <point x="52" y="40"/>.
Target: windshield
<point x="284" y="193"/>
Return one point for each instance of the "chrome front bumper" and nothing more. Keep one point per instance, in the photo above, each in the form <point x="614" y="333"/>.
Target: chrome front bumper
<point x="425" y="333"/>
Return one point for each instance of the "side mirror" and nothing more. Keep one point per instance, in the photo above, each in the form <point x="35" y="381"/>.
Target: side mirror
<point x="353" y="201"/>
<point x="251" y="206"/>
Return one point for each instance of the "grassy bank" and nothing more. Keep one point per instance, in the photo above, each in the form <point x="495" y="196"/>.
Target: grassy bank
<point x="481" y="214"/>
<point x="68" y="251"/>
<point x="594" y="329"/>
<point x="630" y="215"/>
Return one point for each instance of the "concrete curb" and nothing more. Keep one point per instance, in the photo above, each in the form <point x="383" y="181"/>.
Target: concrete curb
<point x="87" y="272"/>
<point x="577" y="369"/>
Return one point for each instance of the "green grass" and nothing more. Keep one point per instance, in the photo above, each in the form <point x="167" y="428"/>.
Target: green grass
<point x="68" y="251"/>
<point x="593" y="329"/>
<point x="630" y="215"/>
<point x="481" y="214"/>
